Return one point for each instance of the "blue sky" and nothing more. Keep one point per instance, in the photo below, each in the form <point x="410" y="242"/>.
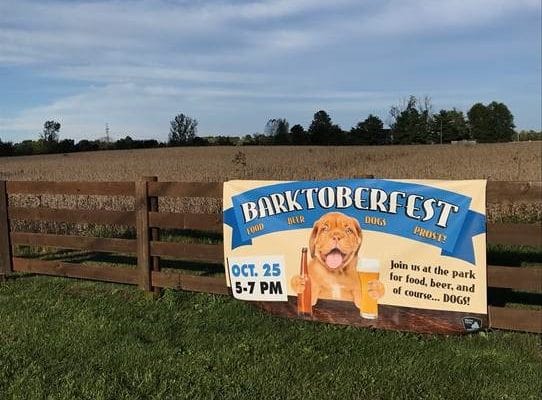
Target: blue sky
<point x="234" y="65"/>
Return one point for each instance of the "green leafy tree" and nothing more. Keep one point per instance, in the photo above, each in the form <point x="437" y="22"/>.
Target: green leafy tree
<point x="248" y="140"/>
<point x="491" y="123"/>
<point x="529" y="135"/>
<point x="368" y="132"/>
<point x="26" y="147"/>
<point x="449" y="125"/>
<point x="412" y="122"/>
<point x="323" y="131"/>
<point x="299" y="135"/>
<point x="183" y="130"/>
<point x="6" y="149"/>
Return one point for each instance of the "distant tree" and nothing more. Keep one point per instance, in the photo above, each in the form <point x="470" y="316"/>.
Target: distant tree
<point x="183" y="130"/>
<point x="50" y="131"/>
<point x="278" y="129"/>
<point x="26" y="147"/>
<point x="323" y="131"/>
<point x="449" y="125"/>
<point x="248" y="140"/>
<point x="125" y="143"/>
<point x="531" y="134"/>
<point x="262" y="140"/>
<point x="224" y="141"/>
<point x="299" y="135"/>
<point x="491" y="123"/>
<point x="412" y="122"/>
<point x="368" y="132"/>
<point x="65" y="146"/>
<point x="199" y="141"/>
<point x="6" y="149"/>
<point x="48" y="138"/>
<point x="87" y="145"/>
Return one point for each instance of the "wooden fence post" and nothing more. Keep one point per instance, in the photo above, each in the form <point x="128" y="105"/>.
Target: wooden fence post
<point x="155" y="236"/>
<point x="142" y="206"/>
<point x="6" y="266"/>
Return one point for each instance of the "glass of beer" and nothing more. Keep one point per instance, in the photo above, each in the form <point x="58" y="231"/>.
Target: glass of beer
<point x="368" y="270"/>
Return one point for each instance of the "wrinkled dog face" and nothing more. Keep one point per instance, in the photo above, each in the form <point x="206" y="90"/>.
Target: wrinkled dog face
<point x="335" y="240"/>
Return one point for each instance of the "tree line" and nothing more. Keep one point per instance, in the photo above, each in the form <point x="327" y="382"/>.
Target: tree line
<point x="412" y="122"/>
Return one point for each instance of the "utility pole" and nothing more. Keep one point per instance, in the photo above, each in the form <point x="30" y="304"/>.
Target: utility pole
<point x="107" y="137"/>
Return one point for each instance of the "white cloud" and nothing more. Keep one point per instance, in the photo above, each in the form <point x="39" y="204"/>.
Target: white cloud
<point x="149" y="59"/>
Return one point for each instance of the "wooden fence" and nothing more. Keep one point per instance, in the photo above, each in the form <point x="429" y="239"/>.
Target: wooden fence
<point x="148" y="248"/>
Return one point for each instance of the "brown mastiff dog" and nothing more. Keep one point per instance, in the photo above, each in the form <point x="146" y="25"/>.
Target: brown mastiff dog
<point x="334" y="245"/>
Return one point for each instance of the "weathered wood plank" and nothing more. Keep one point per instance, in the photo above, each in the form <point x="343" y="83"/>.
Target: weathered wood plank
<point x="212" y="253"/>
<point x="127" y="246"/>
<point x="142" y="206"/>
<point x="501" y="191"/>
<point x="78" y="188"/>
<point x="78" y="216"/>
<point x="192" y="283"/>
<point x="515" y="319"/>
<point x="71" y="270"/>
<point x="155" y="235"/>
<point x="5" y="247"/>
<point x="515" y="234"/>
<point x="389" y="317"/>
<point x="186" y="189"/>
<point x="201" y="222"/>
<point x="517" y="278"/>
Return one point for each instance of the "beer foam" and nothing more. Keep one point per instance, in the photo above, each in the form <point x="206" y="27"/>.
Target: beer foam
<point x="368" y="265"/>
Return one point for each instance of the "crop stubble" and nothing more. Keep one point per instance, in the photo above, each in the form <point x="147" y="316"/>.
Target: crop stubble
<point x="505" y="162"/>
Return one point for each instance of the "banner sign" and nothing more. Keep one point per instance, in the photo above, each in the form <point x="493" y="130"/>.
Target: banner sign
<point x="363" y="242"/>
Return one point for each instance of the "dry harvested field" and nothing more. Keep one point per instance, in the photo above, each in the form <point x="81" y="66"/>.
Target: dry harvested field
<point x="508" y="162"/>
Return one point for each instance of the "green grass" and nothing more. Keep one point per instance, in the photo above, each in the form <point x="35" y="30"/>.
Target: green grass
<point x="71" y="339"/>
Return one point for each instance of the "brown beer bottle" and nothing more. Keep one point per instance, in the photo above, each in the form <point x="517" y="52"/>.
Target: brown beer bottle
<point x="304" y="306"/>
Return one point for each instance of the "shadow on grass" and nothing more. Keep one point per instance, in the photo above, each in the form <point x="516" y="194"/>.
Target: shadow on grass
<point x="513" y="256"/>
<point x="501" y="297"/>
<point x="188" y="235"/>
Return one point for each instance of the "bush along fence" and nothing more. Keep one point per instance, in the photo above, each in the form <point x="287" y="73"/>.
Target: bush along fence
<point x="148" y="221"/>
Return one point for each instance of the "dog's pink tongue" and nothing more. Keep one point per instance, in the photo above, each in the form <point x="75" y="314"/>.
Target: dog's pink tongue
<point x="334" y="259"/>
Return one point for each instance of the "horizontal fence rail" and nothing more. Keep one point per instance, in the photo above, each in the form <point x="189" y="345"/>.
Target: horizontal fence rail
<point x="73" y="270"/>
<point x="199" y="222"/>
<point x="185" y="189"/>
<point x="515" y="319"/>
<point x="149" y="249"/>
<point x="127" y="246"/>
<point x="515" y="234"/>
<point x="212" y="253"/>
<point x="512" y="192"/>
<point x="517" y="278"/>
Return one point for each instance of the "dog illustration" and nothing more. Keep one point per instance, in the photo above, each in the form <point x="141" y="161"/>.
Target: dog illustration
<point x="334" y="245"/>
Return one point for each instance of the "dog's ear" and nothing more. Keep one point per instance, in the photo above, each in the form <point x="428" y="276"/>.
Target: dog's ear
<point x="357" y="226"/>
<point x="312" y="240"/>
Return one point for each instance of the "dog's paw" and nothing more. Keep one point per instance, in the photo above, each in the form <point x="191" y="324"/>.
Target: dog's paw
<point x="298" y="283"/>
<point x="375" y="289"/>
